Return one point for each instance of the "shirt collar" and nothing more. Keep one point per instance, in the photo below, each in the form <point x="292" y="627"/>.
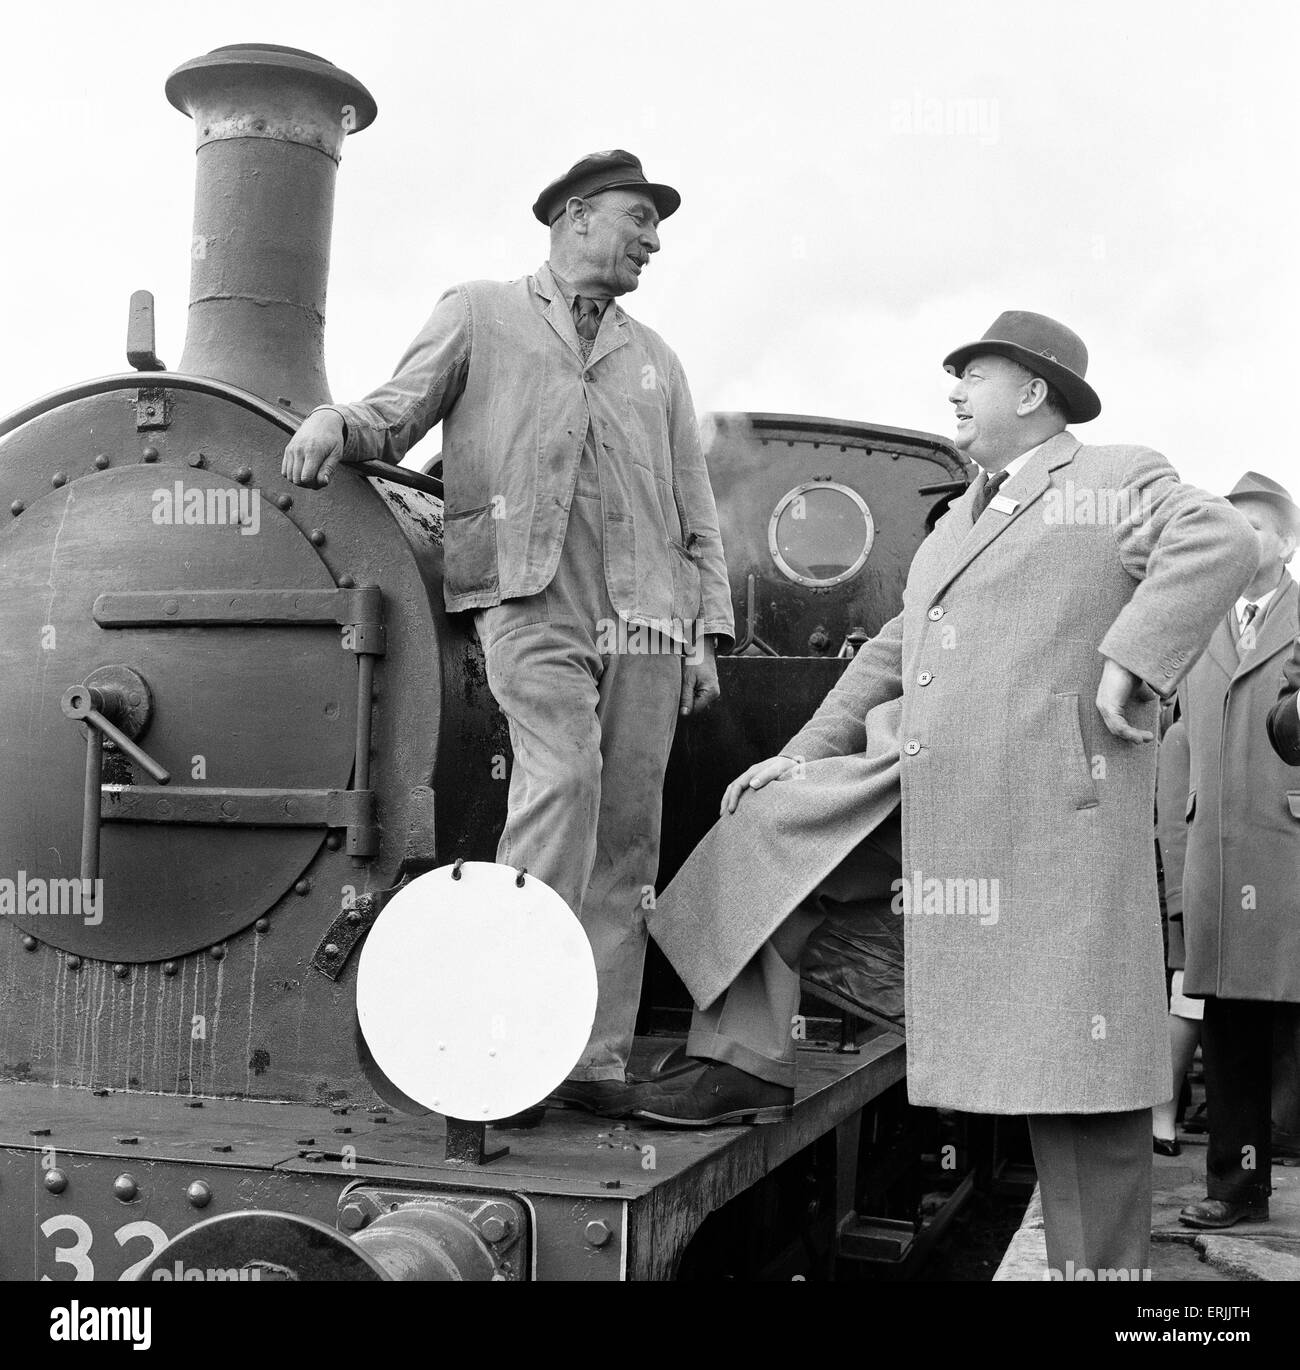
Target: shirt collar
<point x="567" y="292"/>
<point x="1016" y="463"/>
<point x="1260" y="600"/>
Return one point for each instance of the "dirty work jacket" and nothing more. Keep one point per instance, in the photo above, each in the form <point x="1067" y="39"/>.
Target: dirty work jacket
<point x="499" y="365"/>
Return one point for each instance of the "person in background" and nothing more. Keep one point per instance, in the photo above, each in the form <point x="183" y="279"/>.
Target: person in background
<point x="1185" y="1014"/>
<point x="1241" y="881"/>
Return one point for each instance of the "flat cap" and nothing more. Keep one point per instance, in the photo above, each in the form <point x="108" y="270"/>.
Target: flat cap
<point x="598" y="171"/>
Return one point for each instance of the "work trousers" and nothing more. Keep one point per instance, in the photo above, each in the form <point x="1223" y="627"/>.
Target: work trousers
<point x="1241" y="1040"/>
<point x="591" y="727"/>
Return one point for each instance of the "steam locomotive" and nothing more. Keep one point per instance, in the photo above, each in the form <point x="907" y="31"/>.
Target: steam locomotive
<point x="237" y="718"/>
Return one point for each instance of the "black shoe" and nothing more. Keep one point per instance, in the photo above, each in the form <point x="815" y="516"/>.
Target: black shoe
<point x="604" y="1098"/>
<point x="709" y="1094"/>
<point x="1166" y="1146"/>
<point x="1223" y="1213"/>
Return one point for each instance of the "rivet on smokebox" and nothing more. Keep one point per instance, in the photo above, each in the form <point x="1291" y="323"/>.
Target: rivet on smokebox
<point x="56" y="1181"/>
<point x="17" y="507"/>
<point x="302" y="887"/>
<point x="29" y="942"/>
<point x="218" y="952"/>
<point x="74" y="962"/>
<point x="169" y="967"/>
<point x="58" y="479"/>
<point x="316" y="538"/>
<point x="284" y="501"/>
<point x="244" y="474"/>
<point x="121" y="970"/>
<point x="262" y="924"/>
<point x="149" y="454"/>
<point x="101" y="463"/>
<point x="495" y="1229"/>
<point x="125" y="1188"/>
<point x="199" y="1194"/>
<point x="333" y="841"/>
<point x="197" y="459"/>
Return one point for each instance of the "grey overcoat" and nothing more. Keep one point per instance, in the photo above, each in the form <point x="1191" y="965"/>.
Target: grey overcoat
<point x="1034" y="973"/>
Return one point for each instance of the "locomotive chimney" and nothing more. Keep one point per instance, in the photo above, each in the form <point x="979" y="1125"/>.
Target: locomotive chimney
<point x="270" y="123"/>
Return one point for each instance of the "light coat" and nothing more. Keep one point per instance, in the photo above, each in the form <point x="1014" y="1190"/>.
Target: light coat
<point x="1241" y="881"/>
<point x="1008" y="774"/>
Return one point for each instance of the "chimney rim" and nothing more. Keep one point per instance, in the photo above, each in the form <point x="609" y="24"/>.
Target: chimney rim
<point x="266" y="58"/>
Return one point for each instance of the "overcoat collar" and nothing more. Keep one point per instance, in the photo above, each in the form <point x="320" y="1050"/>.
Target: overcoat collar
<point x="1026" y="487"/>
<point x="613" y="323"/>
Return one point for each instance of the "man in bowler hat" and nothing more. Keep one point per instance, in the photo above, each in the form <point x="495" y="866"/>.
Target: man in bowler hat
<point x="581" y="532"/>
<point x="1241" y="878"/>
<point x="1049" y="607"/>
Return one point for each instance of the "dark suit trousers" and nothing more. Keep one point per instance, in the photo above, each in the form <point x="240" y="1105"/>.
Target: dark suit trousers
<point x="1238" y="1047"/>
<point x="1094" y="1179"/>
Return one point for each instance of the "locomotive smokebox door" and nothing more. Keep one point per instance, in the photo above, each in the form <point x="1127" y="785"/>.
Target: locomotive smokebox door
<point x="211" y="597"/>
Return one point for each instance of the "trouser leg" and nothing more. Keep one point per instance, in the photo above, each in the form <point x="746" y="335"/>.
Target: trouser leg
<point x="1237" y="1047"/>
<point x="1094" y="1178"/>
<point x="1286" y="1073"/>
<point x="591" y="736"/>
<point x="637" y="713"/>
<point x="544" y="678"/>
<point x="750" y="1026"/>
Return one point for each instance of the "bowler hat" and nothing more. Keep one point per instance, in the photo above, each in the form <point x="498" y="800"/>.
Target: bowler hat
<point x="1254" y="486"/>
<point x="597" y="171"/>
<point x="1047" y="348"/>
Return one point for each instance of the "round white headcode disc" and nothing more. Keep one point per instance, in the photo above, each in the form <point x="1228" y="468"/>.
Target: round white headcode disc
<point x="476" y="997"/>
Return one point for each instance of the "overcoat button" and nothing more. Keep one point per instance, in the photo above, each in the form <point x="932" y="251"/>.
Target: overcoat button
<point x="912" y="748"/>
<point x="924" y="678"/>
<point x="936" y="613"/>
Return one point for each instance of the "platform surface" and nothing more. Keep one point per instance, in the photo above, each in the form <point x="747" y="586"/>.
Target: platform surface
<point x="1249" y="1251"/>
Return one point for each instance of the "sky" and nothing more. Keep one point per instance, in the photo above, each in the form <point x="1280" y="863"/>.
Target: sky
<point x="864" y="187"/>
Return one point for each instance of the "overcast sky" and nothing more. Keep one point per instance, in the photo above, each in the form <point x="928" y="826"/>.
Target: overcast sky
<point x="863" y="187"/>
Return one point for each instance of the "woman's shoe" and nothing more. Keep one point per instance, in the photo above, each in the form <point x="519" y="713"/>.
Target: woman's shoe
<point x="1166" y="1146"/>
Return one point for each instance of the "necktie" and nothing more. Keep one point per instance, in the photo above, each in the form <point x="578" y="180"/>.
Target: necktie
<point x="992" y="484"/>
<point x="586" y="317"/>
<point x="1247" y="614"/>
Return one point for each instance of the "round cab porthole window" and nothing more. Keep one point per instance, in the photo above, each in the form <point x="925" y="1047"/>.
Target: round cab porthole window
<point x="821" y="533"/>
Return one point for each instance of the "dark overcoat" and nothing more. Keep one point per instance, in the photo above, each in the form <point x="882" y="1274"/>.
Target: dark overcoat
<point x="1241" y="882"/>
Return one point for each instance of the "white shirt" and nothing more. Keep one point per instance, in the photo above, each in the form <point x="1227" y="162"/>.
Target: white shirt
<point x="1015" y="463"/>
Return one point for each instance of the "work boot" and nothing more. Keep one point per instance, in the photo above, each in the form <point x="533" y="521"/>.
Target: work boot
<point x="710" y="1093"/>
<point x="604" y="1098"/>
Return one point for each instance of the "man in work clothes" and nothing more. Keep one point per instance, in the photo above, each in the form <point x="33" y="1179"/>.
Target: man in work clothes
<point x="1049" y="597"/>
<point x="580" y="528"/>
<point x="1241" y="881"/>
